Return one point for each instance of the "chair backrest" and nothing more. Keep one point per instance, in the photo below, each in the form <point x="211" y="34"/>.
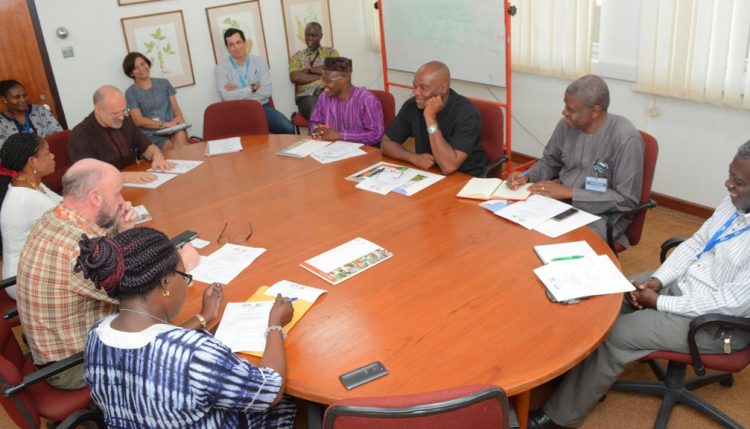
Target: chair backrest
<point x="58" y="145"/>
<point x="492" y="136"/>
<point x="389" y="105"/>
<point x="19" y="406"/>
<point x="477" y="407"/>
<point x="650" y="154"/>
<point x="234" y="118"/>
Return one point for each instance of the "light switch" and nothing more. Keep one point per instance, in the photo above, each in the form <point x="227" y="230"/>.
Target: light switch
<point x="67" y="52"/>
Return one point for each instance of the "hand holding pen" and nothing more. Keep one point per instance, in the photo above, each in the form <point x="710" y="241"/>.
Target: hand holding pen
<point x="516" y="179"/>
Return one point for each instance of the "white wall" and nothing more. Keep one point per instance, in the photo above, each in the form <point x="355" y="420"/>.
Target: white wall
<point x="697" y="141"/>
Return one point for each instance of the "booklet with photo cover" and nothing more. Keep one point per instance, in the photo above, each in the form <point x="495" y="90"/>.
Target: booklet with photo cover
<point x="346" y="260"/>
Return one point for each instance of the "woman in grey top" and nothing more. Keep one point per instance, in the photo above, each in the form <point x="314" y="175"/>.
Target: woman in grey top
<point x="152" y="102"/>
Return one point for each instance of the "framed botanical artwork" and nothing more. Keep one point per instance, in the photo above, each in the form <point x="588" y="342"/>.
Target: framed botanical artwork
<point x="244" y="16"/>
<point x="297" y="14"/>
<point x="161" y="37"/>
<point x="127" y="2"/>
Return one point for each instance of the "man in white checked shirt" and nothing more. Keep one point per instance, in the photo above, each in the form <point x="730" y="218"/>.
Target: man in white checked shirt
<point x="708" y="273"/>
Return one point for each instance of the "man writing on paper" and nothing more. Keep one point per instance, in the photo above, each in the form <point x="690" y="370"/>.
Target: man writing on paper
<point x="344" y="111"/>
<point x="444" y="124"/>
<point x="108" y="134"/>
<point x="57" y="306"/>
<point x="594" y="159"/>
<point x="708" y="273"/>
<point x="242" y="76"/>
<point x="306" y="69"/>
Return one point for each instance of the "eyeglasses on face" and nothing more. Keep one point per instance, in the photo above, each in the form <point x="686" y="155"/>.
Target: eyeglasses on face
<point x="188" y="277"/>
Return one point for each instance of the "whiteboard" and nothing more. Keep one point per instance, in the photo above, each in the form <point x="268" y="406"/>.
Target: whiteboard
<point x="467" y="35"/>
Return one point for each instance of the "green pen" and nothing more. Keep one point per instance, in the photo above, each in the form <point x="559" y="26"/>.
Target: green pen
<point x="567" y="258"/>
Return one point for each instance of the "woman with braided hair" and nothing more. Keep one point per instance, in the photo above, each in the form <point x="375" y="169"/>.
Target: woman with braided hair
<point x="26" y="159"/>
<point x="146" y="373"/>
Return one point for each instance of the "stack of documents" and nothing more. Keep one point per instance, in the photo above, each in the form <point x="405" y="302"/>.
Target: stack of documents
<point x="582" y="277"/>
<point x="337" y="151"/>
<point x="163" y="176"/>
<point x="537" y="213"/>
<point x="244" y="324"/>
<point x="225" y="264"/>
<point x="303" y="148"/>
<point x="563" y="251"/>
<point x="384" y="177"/>
<point x="346" y="260"/>
<point x="221" y="146"/>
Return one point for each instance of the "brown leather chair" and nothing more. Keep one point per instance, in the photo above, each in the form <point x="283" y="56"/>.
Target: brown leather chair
<point x="58" y="145"/>
<point x="476" y="407"/>
<point x="234" y="118"/>
<point x="389" y="105"/>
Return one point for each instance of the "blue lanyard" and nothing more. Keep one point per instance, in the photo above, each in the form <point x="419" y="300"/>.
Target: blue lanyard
<point x="243" y="77"/>
<point x="718" y="238"/>
<point x="24" y="128"/>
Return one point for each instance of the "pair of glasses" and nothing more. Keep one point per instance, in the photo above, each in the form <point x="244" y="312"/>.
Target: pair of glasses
<point x="123" y="113"/>
<point x="188" y="277"/>
<point x="327" y="80"/>
<point x="235" y="233"/>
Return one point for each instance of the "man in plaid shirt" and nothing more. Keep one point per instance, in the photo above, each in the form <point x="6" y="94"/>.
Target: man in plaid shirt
<point x="57" y="306"/>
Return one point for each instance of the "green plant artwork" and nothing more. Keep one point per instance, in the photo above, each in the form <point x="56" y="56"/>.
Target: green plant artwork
<point x="157" y="49"/>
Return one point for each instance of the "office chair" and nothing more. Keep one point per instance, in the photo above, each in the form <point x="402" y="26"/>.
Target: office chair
<point x="492" y="137"/>
<point x="27" y="396"/>
<point x="388" y="103"/>
<point x="58" y="145"/>
<point x="477" y="407"/>
<point x="234" y="118"/>
<point x="8" y="304"/>
<point x="299" y="121"/>
<point x="672" y="386"/>
<point x="635" y="229"/>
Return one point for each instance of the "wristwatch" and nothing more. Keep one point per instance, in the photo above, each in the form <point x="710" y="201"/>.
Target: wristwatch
<point x="432" y="129"/>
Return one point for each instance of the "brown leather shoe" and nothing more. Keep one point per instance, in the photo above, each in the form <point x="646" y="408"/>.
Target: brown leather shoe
<point x="539" y="420"/>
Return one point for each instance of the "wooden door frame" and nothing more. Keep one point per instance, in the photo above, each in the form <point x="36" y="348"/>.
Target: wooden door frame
<point x="47" y="64"/>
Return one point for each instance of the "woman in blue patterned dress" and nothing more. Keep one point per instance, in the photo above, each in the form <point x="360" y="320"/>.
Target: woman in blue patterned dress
<point x="22" y="116"/>
<point x="152" y="103"/>
<point x="147" y="373"/>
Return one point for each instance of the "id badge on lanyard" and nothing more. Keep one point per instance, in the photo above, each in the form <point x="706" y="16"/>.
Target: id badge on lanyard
<point x="595" y="182"/>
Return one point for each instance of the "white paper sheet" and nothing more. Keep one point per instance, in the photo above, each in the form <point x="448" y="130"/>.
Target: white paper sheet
<point x="553" y="228"/>
<point x="143" y="214"/>
<point x="183" y="166"/>
<point x="225" y="264"/>
<point x="337" y="151"/>
<point x="532" y="212"/>
<point x="161" y="178"/>
<point x="243" y="326"/>
<point x="578" y="278"/>
<point x="294" y="290"/>
<point x="560" y="252"/>
<point x="218" y="147"/>
<point x="303" y="148"/>
<point x="386" y="180"/>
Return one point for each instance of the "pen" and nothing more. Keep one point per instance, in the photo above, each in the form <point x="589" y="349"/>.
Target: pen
<point x="292" y="299"/>
<point x="567" y="258"/>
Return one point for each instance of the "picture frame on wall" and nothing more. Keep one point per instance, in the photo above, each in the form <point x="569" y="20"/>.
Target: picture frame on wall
<point x="127" y="2"/>
<point x="244" y="16"/>
<point x="297" y="14"/>
<point x="162" y="38"/>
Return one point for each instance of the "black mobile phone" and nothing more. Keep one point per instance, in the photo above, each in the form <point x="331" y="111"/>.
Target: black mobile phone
<point x="183" y="238"/>
<point x="363" y="375"/>
<point x="566" y="214"/>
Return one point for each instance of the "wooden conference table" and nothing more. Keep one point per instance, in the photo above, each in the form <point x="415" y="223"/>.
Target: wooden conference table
<point x="457" y="304"/>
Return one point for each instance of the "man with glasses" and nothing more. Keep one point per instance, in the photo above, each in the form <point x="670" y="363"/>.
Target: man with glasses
<point x="306" y="69"/>
<point x="594" y="159"/>
<point x="108" y="134"/>
<point x="56" y="304"/>
<point x="445" y="126"/>
<point x="346" y="112"/>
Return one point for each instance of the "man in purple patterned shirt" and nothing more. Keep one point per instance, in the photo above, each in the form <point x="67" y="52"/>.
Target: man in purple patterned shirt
<point x="344" y="111"/>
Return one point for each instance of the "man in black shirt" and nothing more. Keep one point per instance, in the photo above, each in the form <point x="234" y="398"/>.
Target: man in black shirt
<point x="444" y="124"/>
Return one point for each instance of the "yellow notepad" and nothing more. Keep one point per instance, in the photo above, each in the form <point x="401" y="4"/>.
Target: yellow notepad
<point x="300" y="308"/>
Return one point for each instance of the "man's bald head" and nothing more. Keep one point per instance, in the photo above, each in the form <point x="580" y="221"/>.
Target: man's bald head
<point x="83" y="176"/>
<point x="110" y="108"/>
<point x="431" y="79"/>
<point x="105" y="93"/>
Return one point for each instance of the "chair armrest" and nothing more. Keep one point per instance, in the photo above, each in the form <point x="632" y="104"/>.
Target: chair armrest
<point x="668" y="245"/>
<point x="13" y="312"/>
<point x="45" y="373"/>
<point x="710" y="320"/>
<point x="493" y="165"/>
<point x="5" y="283"/>
<point x="615" y="218"/>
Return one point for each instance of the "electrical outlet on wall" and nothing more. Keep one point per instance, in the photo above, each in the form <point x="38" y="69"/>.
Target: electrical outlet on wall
<point x="655" y="111"/>
<point x="67" y="52"/>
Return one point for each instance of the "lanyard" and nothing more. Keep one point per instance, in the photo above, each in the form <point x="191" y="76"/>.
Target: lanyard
<point x="718" y="238"/>
<point x="25" y="128"/>
<point x="243" y="77"/>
